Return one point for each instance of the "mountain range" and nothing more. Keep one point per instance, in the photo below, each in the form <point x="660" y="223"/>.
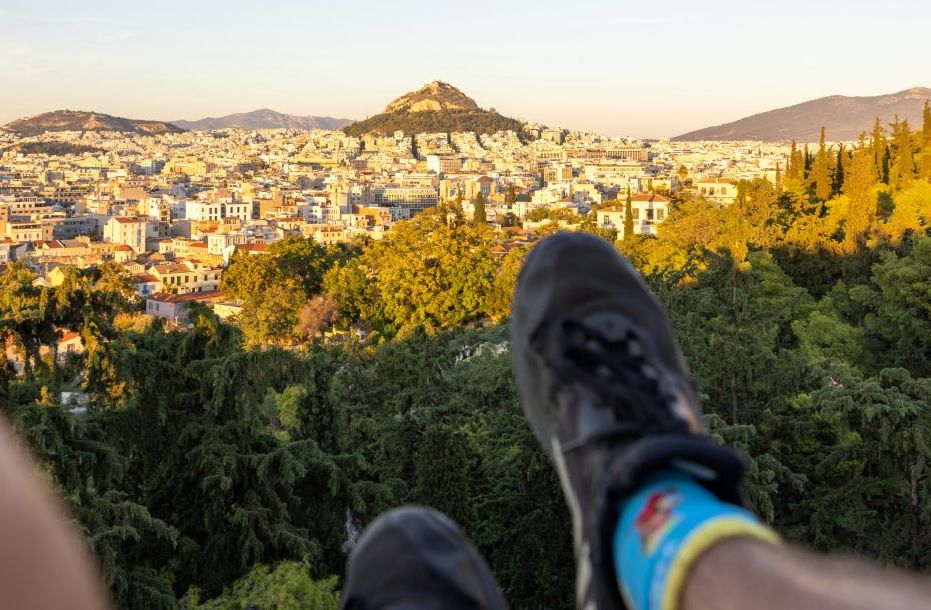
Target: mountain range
<point x="78" y="120"/>
<point x="264" y="119"/>
<point x="842" y="117"/>
<point x="436" y="107"/>
<point x="441" y="107"/>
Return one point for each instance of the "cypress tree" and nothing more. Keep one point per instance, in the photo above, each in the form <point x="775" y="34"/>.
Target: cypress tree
<point x="793" y="162"/>
<point x="878" y="147"/>
<point x="884" y="168"/>
<point x="820" y="171"/>
<point x="838" y="185"/>
<point x="903" y="168"/>
<point x="861" y="210"/>
<point x="926" y="125"/>
<point x="628" y="217"/>
<point x="479" y="216"/>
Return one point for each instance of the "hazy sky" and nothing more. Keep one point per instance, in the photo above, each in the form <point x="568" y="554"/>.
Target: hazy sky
<point x="613" y="66"/>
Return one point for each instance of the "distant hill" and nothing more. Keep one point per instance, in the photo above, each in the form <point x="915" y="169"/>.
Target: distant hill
<point x="76" y="120"/>
<point x="435" y="107"/>
<point x="264" y="119"/>
<point x="842" y="117"/>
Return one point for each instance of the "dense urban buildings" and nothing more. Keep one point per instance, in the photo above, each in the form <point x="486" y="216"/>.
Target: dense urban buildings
<point x="175" y="207"/>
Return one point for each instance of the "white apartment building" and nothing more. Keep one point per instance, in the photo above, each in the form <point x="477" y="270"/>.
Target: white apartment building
<point x="237" y="209"/>
<point x="648" y="210"/>
<point x="211" y="210"/>
<point x="717" y="190"/>
<point x="127" y="230"/>
<point x="409" y="200"/>
<point x="219" y="243"/>
<point x="203" y="211"/>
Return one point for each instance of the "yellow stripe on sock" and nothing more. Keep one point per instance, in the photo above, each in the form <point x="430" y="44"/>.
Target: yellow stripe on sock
<point x="702" y="539"/>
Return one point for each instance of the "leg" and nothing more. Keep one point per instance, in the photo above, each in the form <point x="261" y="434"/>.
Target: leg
<point x="414" y="558"/>
<point x="657" y="507"/>
<point x="738" y="574"/>
<point x="43" y="565"/>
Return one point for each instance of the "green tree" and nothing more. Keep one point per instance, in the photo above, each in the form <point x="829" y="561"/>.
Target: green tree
<point x="821" y="172"/>
<point x="861" y="208"/>
<point x="479" y="216"/>
<point x="837" y="185"/>
<point x="510" y="197"/>
<point x="870" y="492"/>
<point x="628" y="217"/>
<point x="926" y="124"/>
<point x="879" y="145"/>
<point x="903" y="163"/>
<point x="288" y="586"/>
<point x="502" y="291"/>
<point x="795" y="163"/>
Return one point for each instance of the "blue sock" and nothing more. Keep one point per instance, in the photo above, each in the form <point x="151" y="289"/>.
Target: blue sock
<point x="663" y="528"/>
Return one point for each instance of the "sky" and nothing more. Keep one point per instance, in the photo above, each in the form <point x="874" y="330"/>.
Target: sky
<point x="620" y="68"/>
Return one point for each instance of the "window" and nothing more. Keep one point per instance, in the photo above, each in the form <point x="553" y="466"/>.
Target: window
<point x="660" y="214"/>
<point x="636" y="213"/>
<point x="650" y="214"/>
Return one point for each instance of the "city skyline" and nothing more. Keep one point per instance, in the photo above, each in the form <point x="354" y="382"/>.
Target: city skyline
<point x="613" y="69"/>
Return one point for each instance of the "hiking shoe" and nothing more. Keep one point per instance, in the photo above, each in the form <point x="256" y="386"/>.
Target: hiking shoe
<point x="606" y="391"/>
<point x="415" y="558"/>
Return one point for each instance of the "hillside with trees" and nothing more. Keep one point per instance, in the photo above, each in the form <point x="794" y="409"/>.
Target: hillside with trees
<point x="434" y="108"/>
<point x="229" y="464"/>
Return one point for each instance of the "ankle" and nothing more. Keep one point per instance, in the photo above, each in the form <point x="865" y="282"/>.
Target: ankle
<point x="663" y="528"/>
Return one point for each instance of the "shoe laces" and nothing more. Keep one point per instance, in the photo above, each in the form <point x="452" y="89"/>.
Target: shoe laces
<point x="617" y="370"/>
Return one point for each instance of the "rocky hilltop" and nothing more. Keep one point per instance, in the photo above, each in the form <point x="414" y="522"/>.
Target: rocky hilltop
<point x="76" y="120"/>
<point x="843" y="118"/>
<point x="435" y="107"/>
<point x="432" y="97"/>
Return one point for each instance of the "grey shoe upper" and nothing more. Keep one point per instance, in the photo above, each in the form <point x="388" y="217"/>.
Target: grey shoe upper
<point x="415" y="558"/>
<point x="607" y="392"/>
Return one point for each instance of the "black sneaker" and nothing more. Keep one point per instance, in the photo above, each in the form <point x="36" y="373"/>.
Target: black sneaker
<point x="606" y="390"/>
<point x="414" y="558"/>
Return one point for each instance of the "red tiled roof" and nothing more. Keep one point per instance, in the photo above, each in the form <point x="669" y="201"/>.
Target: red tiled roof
<point x="650" y="197"/>
<point x="68" y="336"/>
<point x="208" y="295"/>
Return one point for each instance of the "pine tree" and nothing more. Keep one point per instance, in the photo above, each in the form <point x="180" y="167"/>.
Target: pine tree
<point x="838" y="184"/>
<point x="820" y="171"/>
<point x="628" y="217"/>
<point x="511" y="196"/>
<point x="924" y="159"/>
<point x="793" y="172"/>
<point x="903" y="165"/>
<point x="479" y="216"/>
<point x="861" y="208"/>
<point x="926" y="125"/>
<point x="878" y="147"/>
<point x="778" y="176"/>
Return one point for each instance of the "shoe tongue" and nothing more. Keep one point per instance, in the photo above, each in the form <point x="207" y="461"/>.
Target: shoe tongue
<point x="609" y="325"/>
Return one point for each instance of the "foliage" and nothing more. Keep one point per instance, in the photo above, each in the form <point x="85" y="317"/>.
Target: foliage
<point x="435" y="121"/>
<point x="236" y="463"/>
<point x="287" y="587"/>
